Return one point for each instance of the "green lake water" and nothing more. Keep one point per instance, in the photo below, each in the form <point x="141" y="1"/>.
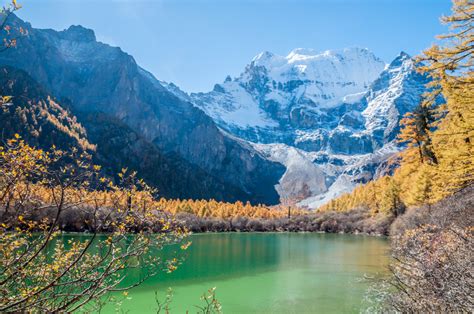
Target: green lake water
<point x="270" y="273"/>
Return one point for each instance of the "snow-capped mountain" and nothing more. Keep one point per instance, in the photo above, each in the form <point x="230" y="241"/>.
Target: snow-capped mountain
<point x="299" y="91"/>
<point x="330" y="118"/>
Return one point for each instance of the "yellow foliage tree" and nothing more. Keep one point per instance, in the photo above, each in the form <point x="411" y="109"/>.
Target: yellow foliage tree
<point x="450" y="64"/>
<point x="39" y="271"/>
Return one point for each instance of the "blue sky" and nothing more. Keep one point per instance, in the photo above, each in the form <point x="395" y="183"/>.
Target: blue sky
<point x="195" y="44"/>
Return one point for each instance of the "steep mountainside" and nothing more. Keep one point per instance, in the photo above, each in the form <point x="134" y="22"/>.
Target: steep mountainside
<point x="43" y="121"/>
<point x="96" y="79"/>
<point x="333" y="115"/>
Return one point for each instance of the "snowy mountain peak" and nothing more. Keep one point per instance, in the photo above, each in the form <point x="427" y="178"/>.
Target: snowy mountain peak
<point x="351" y="67"/>
<point x="403" y="55"/>
<point x="300" y="59"/>
<point x="302" y="51"/>
<point x="263" y="56"/>
<point x="292" y="91"/>
<point x="402" y="58"/>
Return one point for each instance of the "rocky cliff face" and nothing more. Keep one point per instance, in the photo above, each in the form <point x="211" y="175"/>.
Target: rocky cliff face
<point x="396" y="91"/>
<point x="334" y="115"/>
<point x="102" y="80"/>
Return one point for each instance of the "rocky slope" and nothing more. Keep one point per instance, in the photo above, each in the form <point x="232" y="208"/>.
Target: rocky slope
<point x="146" y="119"/>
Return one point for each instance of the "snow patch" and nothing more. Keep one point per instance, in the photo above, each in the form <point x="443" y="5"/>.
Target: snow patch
<point x="235" y="107"/>
<point x="302" y="178"/>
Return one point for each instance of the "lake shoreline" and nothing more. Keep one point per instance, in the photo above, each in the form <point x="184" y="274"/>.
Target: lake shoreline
<point x="358" y="221"/>
<point x="291" y="232"/>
